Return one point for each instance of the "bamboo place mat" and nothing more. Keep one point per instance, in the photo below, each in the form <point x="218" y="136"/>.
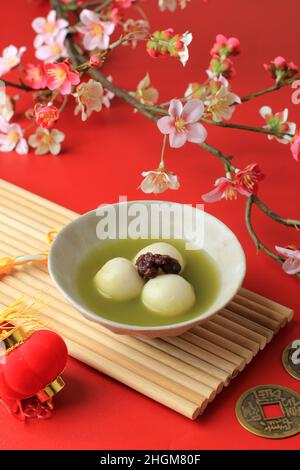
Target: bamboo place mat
<point x="184" y="373"/>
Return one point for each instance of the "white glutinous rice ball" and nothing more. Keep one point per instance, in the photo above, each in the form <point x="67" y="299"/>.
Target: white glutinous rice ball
<point x="168" y="295"/>
<point x="162" y="248"/>
<point x="118" y="280"/>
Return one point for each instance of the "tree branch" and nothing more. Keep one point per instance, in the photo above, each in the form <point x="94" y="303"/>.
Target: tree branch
<point x="258" y="243"/>
<point x="151" y="112"/>
<point x="19" y="86"/>
<point x="276" y="87"/>
<point x="121" y="93"/>
<point x="282" y="220"/>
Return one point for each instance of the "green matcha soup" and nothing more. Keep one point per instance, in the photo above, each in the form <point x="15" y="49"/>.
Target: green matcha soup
<point x="200" y="271"/>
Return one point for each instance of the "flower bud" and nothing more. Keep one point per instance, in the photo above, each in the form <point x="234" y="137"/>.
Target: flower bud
<point x="94" y="61"/>
<point x="46" y="116"/>
<point x="281" y="70"/>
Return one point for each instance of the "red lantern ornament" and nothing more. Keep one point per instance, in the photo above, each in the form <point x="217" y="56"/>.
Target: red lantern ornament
<point x="31" y="361"/>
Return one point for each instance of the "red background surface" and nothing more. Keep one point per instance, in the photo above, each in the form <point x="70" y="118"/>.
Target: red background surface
<point x="103" y="159"/>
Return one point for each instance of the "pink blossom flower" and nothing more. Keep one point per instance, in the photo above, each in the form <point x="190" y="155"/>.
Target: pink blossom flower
<point x="61" y="75"/>
<point x="224" y="47"/>
<point x="48" y="28"/>
<point x="248" y="178"/>
<point x="292" y="262"/>
<point x="54" y="49"/>
<point x="243" y="182"/>
<point x="225" y="188"/>
<point x="278" y="123"/>
<point x="107" y="95"/>
<point x="295" y="147"/>
<point x="11" y="57"/>
<point x="181" y="125"/>
<point x="95" y="32"/>
<point x="158" y="181"/>
<point x="46" y="116"/>
<point x="281" y="70"/>
<point x="11" y="137"/>
<point x="35" y="76"/>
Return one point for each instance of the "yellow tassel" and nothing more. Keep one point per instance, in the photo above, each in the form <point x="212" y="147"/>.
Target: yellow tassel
<point x="21" y="316"/>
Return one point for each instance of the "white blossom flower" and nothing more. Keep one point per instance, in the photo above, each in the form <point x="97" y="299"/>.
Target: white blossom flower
<point x="11" y="138"/>
<point x="184" y="52"/>
<point x="11" y="57"/>
<point x="137" y="29"/>
<point x="220" y="105"/>
<point x="278" y="122"/>
<point x="145" y="93"/>
<point x="54" y="49"/>
<point x="89" y="97"/>
<point x="6" y="106"/>
<point x="170" y="5"/>
<point x="158" y="181"/>
<point x="95" y="31"/>
<point x="46" y="141"/>
<point x="48" y="28"/>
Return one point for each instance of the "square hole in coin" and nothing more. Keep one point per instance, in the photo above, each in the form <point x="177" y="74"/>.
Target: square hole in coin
<point x="272" y="410"/>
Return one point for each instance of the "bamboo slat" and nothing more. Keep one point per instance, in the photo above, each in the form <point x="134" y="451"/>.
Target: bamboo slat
<point x="183" y="373"/>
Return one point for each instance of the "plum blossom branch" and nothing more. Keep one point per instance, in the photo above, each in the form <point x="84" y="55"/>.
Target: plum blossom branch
<point x="72" y="51"/>
<point x="158" y="110"/>
<point x="121" y="93"/>
<point x="19" y="86"/>
<point x="258" y="243"/>
<point x="282" y="220"/>
<point x="218" y="154"/>
<point x="151" y="113"/>
<point x="68" y="58"/>
<point x="255" y="199"/>
<point x="276" y="87"/>
<point x="249" y="97"/>
<point x="242" y="127"/>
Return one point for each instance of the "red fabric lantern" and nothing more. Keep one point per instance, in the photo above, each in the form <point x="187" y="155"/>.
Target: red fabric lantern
<point x="30" y="367"/>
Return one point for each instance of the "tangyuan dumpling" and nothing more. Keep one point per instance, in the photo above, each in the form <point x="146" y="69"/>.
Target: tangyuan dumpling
<point x="162" y="248"/>
<point x="168" y="295"/>
<point x="118" y="280"/>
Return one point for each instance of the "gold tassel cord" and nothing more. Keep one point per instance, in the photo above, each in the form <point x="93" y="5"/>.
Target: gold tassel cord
<point x="19" y="321"/>
<point x="7" y="264"/>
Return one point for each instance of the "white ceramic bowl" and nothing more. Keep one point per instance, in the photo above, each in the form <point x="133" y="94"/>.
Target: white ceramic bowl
<point x="75" y="241"/>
